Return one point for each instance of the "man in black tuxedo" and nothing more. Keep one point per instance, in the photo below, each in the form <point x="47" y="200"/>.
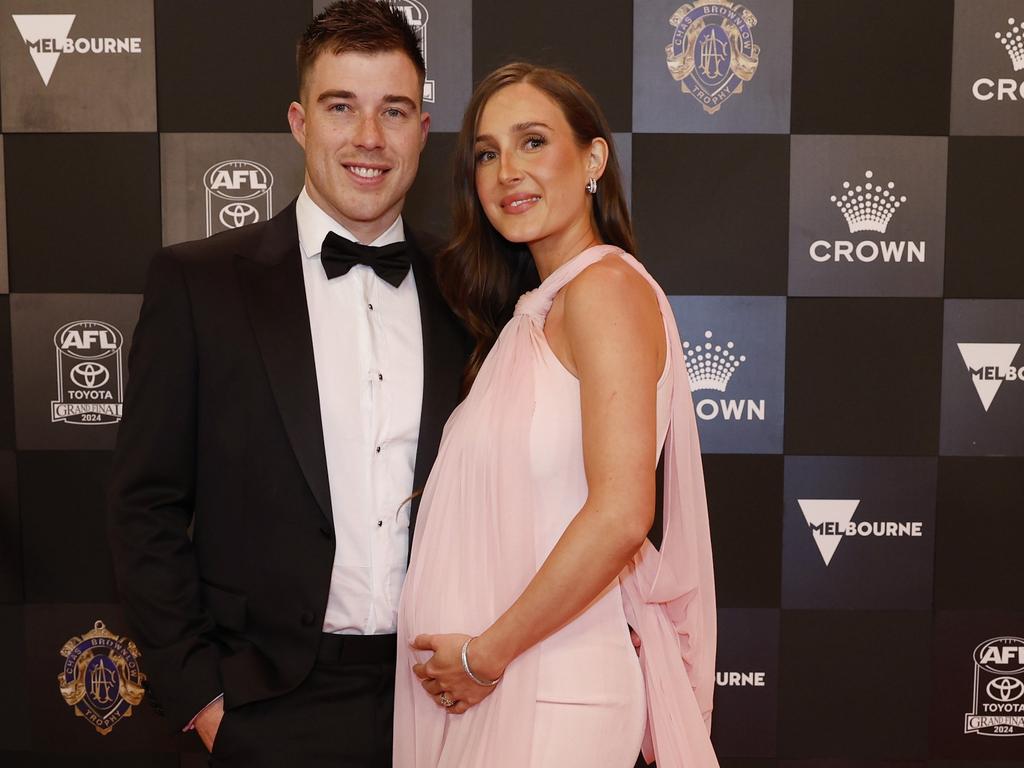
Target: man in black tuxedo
<point x="287" y="395"/>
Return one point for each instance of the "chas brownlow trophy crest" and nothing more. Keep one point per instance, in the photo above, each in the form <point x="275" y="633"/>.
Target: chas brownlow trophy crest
<point x="101" y="679"/>
<point x="712" y="53"/>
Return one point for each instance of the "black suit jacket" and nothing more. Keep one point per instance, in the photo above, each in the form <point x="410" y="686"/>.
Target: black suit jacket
<point x="220" y="518"/>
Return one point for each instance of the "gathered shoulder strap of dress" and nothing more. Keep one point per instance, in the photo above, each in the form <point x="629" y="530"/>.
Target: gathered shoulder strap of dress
<point x="537" y="303"/>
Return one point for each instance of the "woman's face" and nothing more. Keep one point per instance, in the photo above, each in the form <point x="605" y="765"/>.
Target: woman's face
<point x="531" y="175"/>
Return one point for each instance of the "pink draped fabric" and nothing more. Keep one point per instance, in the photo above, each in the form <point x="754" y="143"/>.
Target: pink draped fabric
<point x="476" y="549"/>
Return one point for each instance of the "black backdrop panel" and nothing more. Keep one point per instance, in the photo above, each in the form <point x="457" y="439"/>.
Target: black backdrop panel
<point x="978" y="562"/>
<point x="14" y="731"/>
<point x="712" y="211"/>
<point x="4" y="286"/>
<point x="854" y="684"/>
<point x="94" y="233"/>
<point x="862" y="376"/>
<point x="596" y="48"/>
<point x="63" y="498"/>
<point x="11" y="586"/>
<point x="214" y="75"/>
<point x="746" y="528"/>
<point x="872" y="66"/>
<point x="986" y="197"/>
<point x="429" y="201"/>
<point x="6" y="376"/>
<point x="747" y="683"/>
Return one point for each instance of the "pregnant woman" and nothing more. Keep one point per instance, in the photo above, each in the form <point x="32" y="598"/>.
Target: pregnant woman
<point x="531" y="561"/>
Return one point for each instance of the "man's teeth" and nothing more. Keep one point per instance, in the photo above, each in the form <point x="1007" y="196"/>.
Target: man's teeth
<point x="517" y="203"/>
<point x="366" y="173"/>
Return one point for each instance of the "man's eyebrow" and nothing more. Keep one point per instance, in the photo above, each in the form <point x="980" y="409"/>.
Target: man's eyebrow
<point x="397" y="99"/>
<point x="517" y="128"/>
<point x="387" y="99"/>
<point x="335" y="95"/>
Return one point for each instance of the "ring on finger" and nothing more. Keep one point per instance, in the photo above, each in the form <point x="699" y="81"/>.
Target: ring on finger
<point x="446" y="700"/>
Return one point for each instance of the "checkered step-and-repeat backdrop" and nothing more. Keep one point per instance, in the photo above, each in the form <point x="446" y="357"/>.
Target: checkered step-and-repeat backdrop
<point x="832" y="192"/>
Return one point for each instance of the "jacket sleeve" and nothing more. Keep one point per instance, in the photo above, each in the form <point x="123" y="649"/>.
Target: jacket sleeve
<point x="151" y="501"/>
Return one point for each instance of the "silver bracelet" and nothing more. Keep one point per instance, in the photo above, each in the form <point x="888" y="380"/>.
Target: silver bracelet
<point x="468" y="671"/>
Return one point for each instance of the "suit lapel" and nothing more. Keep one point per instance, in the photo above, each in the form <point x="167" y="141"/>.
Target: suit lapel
<point x="444" y="357"/>
<point x="275" y="295"/>
<point x="271" y="282"/>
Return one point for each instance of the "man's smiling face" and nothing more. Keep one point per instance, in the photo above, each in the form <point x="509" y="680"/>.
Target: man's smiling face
<point x="362" y="130"/>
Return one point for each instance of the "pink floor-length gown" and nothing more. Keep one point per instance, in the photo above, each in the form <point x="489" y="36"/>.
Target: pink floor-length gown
<point x="508" y="480"/>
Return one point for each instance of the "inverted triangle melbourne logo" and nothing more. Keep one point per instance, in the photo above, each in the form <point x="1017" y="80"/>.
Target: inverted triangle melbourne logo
<point x="45" y="35"/>
<point x="989" y="366"/>
<point x="828" y="520"/>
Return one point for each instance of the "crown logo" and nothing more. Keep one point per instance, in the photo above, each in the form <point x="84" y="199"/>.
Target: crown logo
<point x="709" y="365"/>
<point x="1013" y="41"/>
<point x="868" y="206"/>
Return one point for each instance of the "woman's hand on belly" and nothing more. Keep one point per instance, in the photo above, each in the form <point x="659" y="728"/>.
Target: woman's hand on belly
<point x="443" y="672"/>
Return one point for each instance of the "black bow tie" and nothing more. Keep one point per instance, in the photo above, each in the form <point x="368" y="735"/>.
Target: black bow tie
<point x="390" y="262"/>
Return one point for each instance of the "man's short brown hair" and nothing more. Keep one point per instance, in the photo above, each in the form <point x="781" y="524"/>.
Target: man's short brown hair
<point x="357" y="26"/>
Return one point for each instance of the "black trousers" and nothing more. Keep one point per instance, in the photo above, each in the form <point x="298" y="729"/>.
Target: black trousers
<point x="339" y="717"/>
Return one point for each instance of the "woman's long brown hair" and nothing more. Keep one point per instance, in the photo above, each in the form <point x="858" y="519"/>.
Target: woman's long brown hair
<point x="474" y="271"/>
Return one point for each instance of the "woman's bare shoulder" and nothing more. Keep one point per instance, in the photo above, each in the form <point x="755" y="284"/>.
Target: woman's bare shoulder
<point x="610" y="290"/>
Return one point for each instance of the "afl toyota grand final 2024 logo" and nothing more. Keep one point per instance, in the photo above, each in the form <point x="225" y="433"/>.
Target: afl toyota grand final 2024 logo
<point x="101" y="678"/>
<point x="712" y="53"/>
<point x="998" y="688"/>
<point x="90" y="381"/>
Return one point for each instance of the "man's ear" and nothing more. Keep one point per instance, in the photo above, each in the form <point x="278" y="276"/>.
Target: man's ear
<point x="297" y="122"/>
<point x="424" y="129"/>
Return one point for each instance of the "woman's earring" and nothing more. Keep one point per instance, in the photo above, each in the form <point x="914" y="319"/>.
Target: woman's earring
<point x="592" y="186"/>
